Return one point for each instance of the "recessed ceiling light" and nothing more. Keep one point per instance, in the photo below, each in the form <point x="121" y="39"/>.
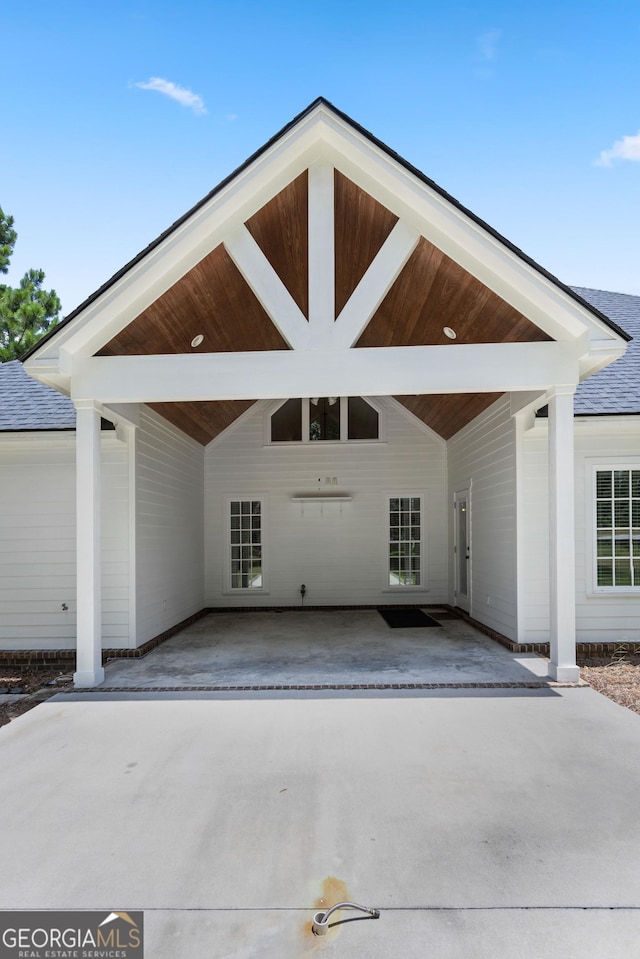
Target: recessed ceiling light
<point x="449" y="332"/>
<point x="197" y="340"/>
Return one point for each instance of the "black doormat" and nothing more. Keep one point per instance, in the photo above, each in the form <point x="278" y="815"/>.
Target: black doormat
<point x="405" y="618"/>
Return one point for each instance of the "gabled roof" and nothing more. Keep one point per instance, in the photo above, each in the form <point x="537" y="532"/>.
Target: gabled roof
<point x="325" y="243"/>
<point x="615" y="389"/>
<point x="572" y="292"/>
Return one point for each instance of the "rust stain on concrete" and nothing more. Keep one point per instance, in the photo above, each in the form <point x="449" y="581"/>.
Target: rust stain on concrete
<point x="333" y="890"/>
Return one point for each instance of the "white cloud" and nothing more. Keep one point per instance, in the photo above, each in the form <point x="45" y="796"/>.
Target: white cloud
<point x="184" y="97"/>
<point x="487" y="44"/>
<point x="628" y="148"/>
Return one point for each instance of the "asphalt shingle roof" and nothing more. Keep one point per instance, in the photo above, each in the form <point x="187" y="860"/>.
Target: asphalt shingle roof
<point x="616" y="388"/>
<point x="26" y="404"/>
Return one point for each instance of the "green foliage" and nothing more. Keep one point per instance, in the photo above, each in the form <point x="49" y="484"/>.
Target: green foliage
<point x="8" y="237"/>
<point x="27" y="311"/>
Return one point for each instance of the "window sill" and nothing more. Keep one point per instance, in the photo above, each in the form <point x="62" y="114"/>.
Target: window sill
<point x="245" y="592"/>
<point x="613" y="592"/>
<point x="405" y="589"/>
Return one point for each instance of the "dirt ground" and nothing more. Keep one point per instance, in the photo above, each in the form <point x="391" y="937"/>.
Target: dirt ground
<point x="38" y="684"/>
<point x="617" y="678"/>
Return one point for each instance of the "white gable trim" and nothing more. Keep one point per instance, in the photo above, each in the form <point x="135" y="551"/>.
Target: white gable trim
<point x="318" y="141"/>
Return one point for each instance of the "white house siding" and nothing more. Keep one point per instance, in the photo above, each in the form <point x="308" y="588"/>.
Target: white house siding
<point x="600" y="616"/>
<point x="37" y="541"/>
<point x="169" y="526"/>
<point x="483" y="454"/>
<point x="337" y="550"/>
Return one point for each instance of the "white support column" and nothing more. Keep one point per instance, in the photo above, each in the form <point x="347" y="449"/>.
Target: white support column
<point x="562" y="574"/>
<point x="89" y="671"/>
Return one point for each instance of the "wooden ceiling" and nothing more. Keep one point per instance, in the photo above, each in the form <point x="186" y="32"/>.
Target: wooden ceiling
<point x="281" y="230"/>
<point x="361" y="227"/>
<point x="431" y="292"/>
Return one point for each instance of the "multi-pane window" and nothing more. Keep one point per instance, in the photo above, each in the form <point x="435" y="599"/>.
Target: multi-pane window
<point x="618" y="527"/>
<point x="339" y="419"/>
<point x="405" y="540"/>
<point x="324" y="418"/>
<point x="245" y="543"/>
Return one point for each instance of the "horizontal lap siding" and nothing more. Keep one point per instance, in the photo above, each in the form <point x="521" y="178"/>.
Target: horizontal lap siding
<point x="600" y="617"/>
<point x="337" y="550"/>
<point x="484" y="454"/>
<point x="169" y="526"/>
<point x="38" y="545"/>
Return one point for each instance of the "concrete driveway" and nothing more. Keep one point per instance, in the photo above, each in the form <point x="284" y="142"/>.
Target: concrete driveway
<point x="483" y="823"/>
<point x="340" y="647"/>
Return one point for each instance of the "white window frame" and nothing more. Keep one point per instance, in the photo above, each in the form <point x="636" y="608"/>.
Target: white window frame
<point x="344" y="424"/>
<point x="228" y="589"/>
<point x="403" y="588"/>
<point x="595" y="466"/>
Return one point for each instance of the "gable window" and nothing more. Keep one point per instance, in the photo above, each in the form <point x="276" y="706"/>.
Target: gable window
<point x="324" y="418"/>
<point x="245" y="543"/>
<point x="405" y="541"/>
<point x="336" y="419"/>
<point x="362" y="419"/>
<point x="617" y="507"/>
<point x="286" y="423"/>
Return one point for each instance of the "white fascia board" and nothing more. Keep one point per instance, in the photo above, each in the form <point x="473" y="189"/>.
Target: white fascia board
<point x="601" y="353"/>
<point x="464" y="368"/>
<point x="38" y="438"/>
<point x="47" y="371"/>
<point x="622" y="423"/>
<point x="461" y="238"/>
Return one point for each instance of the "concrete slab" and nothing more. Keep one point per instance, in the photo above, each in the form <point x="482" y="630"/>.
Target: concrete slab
<point x="310" y="646"/>
<point x="481" y="822"/>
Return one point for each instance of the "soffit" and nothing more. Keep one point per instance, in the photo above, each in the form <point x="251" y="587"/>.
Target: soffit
<point x="433" y="292"/>
<point x="447" y="413"/>
<point x="212" y="299"/>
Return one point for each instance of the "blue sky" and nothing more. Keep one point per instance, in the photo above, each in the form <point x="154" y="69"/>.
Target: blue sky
<point x="117" y="117"/>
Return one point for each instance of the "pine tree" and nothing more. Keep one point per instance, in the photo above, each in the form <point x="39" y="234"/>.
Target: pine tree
<point x="26" y="311"/>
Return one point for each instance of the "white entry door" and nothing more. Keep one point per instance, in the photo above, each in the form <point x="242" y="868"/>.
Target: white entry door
<point x="462" y="548"/>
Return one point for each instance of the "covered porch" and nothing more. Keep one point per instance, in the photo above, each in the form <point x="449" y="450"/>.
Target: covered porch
<point x="324" y="268"/>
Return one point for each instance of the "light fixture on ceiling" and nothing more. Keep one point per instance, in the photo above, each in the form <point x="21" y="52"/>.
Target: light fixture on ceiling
<point x="315" y="400"/>
<point x="333" y="400"/>
<point x="449" y="332"/>
<point x="197" y="340"/>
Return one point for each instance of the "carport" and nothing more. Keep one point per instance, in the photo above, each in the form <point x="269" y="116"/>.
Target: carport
<point x="325" y="272"/>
